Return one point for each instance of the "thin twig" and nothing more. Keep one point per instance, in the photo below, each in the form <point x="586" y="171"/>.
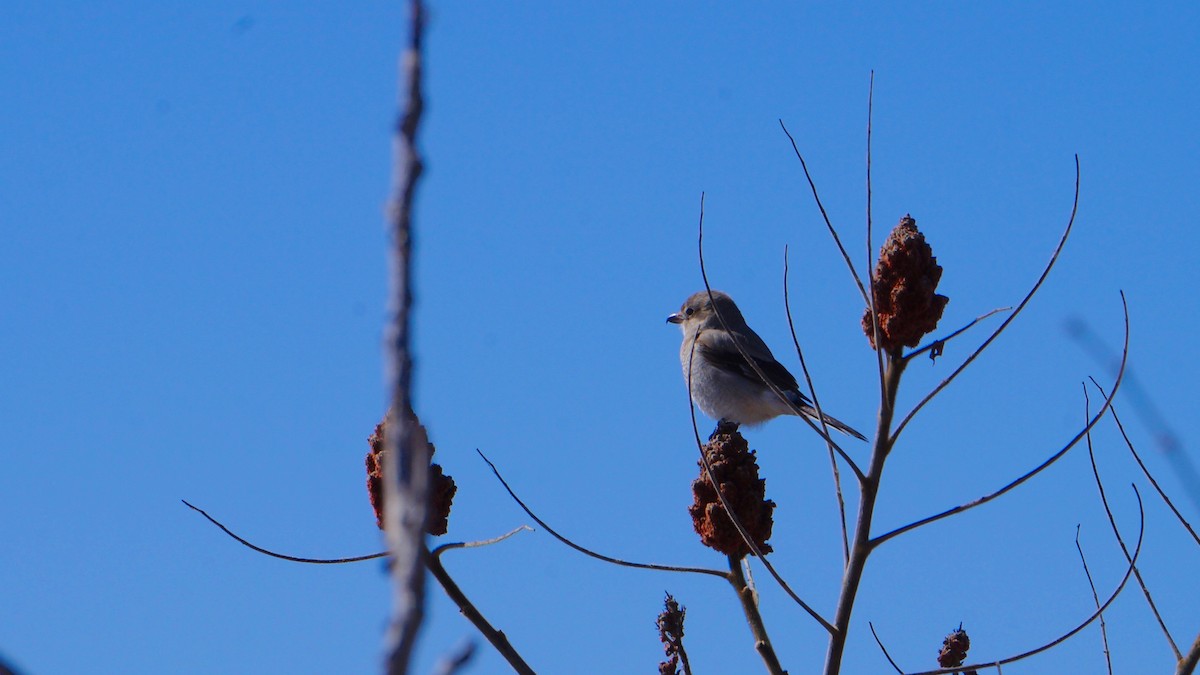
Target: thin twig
<point x="1071" y="633"/>
<point x="1096" y="599"/>
<point x="870" y="249"/>
<point x="1124" y="549"/>
<point x="883" y="649"/>
<point x="479" y="544"/>
<point x="406" y="469"/>
<point x="282" y="556"/>
<point x="588" y="552"/>
<point x="1016" y="312"/>
<point x="837" y="475"/>
<point x="737" y="523"/>
<point x="837" y="240"/>
<point x="754" y="365"/>
<point x="941" y="342"/>
<point x="1032" y="472"/>
<point x="1161" y="493"/>
<point x="762" y="643"/>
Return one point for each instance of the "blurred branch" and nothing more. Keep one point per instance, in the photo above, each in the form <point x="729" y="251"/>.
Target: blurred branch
<point x="406" y="483"/>
<point x="1095" y="596"/>
<point x="589" y="552"/>
<point x="1124" y="549"/>
<point x="454" y="661"/>
<point x="1016" y="312"/>
<point x="1164" y="435"/>
<point x="1071" y="633"/>
<point x="1036" y="470"/>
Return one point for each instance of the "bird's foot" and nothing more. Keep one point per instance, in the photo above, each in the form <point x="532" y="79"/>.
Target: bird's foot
<point x="724" y="426"/>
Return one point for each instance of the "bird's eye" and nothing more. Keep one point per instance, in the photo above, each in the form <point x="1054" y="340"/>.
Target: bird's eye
<point x="689" y="311"/>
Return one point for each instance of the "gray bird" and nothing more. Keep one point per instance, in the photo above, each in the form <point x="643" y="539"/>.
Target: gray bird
<point x="724" y="384"/>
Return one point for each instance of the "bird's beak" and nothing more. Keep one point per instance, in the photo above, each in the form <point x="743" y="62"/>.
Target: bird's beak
<point x="675" y="318"/>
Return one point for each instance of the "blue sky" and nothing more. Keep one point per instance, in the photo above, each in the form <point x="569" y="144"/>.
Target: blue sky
<point x="192" y="288"/>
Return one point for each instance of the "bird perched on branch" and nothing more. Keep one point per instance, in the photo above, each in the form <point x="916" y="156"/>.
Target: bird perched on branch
<point x="727" y="383"/>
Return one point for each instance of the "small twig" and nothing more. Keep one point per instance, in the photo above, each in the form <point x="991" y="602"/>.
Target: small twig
<point x="883" y="649"/>
<point x="1124" y="549"/>
<point x="754" y="365"/>
<point x="762" y="643"/>
<point x="837" y="475"/>
<point x="837" y="240"/>
<point x="1069" y="634"/>
<point x="589" y="552"/>
<point x="1096" y="599"/>
<point x="282" y="556"/>
<point x="939" y="343"/>
<point x="870" y="249"/>
<point x="1016" y="312"/>
<point x="479" y="544"/>
<point x="733" y="516"/>
<point x="1032" y="472"/>
<point x="1161" y="493"/>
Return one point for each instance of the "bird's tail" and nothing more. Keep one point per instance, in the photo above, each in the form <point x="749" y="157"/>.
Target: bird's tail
<point x="810" y="412"/>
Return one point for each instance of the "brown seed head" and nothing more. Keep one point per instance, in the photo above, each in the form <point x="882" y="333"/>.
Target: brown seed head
<point x="670" y="632"/>
<point x="954" y="649"/>
<point x="736" y="472"/>
<point x="441" y="486"/>
<point x="906" y="276"/>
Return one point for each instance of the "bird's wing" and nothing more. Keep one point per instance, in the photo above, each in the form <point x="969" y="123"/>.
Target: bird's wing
<point x="718" y="347"/>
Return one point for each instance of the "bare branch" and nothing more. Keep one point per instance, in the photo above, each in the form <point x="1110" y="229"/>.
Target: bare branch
<point x="837" y="476"/>
<point x="882" y="648"/>
<point x="870" y="248"/>
<point x="1016" y="312"/>
<point x="1187" y="666"/>
<point x="1036" y="470"/>
<point x="939" y="343"/>
<point x="496" y="637"/>
<point x="1125" y="549"/>
<point x="1095" y="597"/>
<point x="1146" y="471"/>
<point x="1071" y="633"/>
<point x="762" y="643"/>
<point x="837" y="240"/>
<point x="479" y="544"/>
<point x="282" y="556"/>
<point x="589" y="552"/>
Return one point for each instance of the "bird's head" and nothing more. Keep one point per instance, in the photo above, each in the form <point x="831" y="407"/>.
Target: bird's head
<point x="698" y="312"/>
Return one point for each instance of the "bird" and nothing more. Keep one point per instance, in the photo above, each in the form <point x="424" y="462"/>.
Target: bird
<point x="724" y="384"/>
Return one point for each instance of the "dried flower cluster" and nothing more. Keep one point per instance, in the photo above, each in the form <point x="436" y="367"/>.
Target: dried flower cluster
<point x="906" y="276"/>
<point x="954" y="649"/>
<point x="670" y="632"/>
<point x="735" y="470"/>
<point x="441" y="486"/>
